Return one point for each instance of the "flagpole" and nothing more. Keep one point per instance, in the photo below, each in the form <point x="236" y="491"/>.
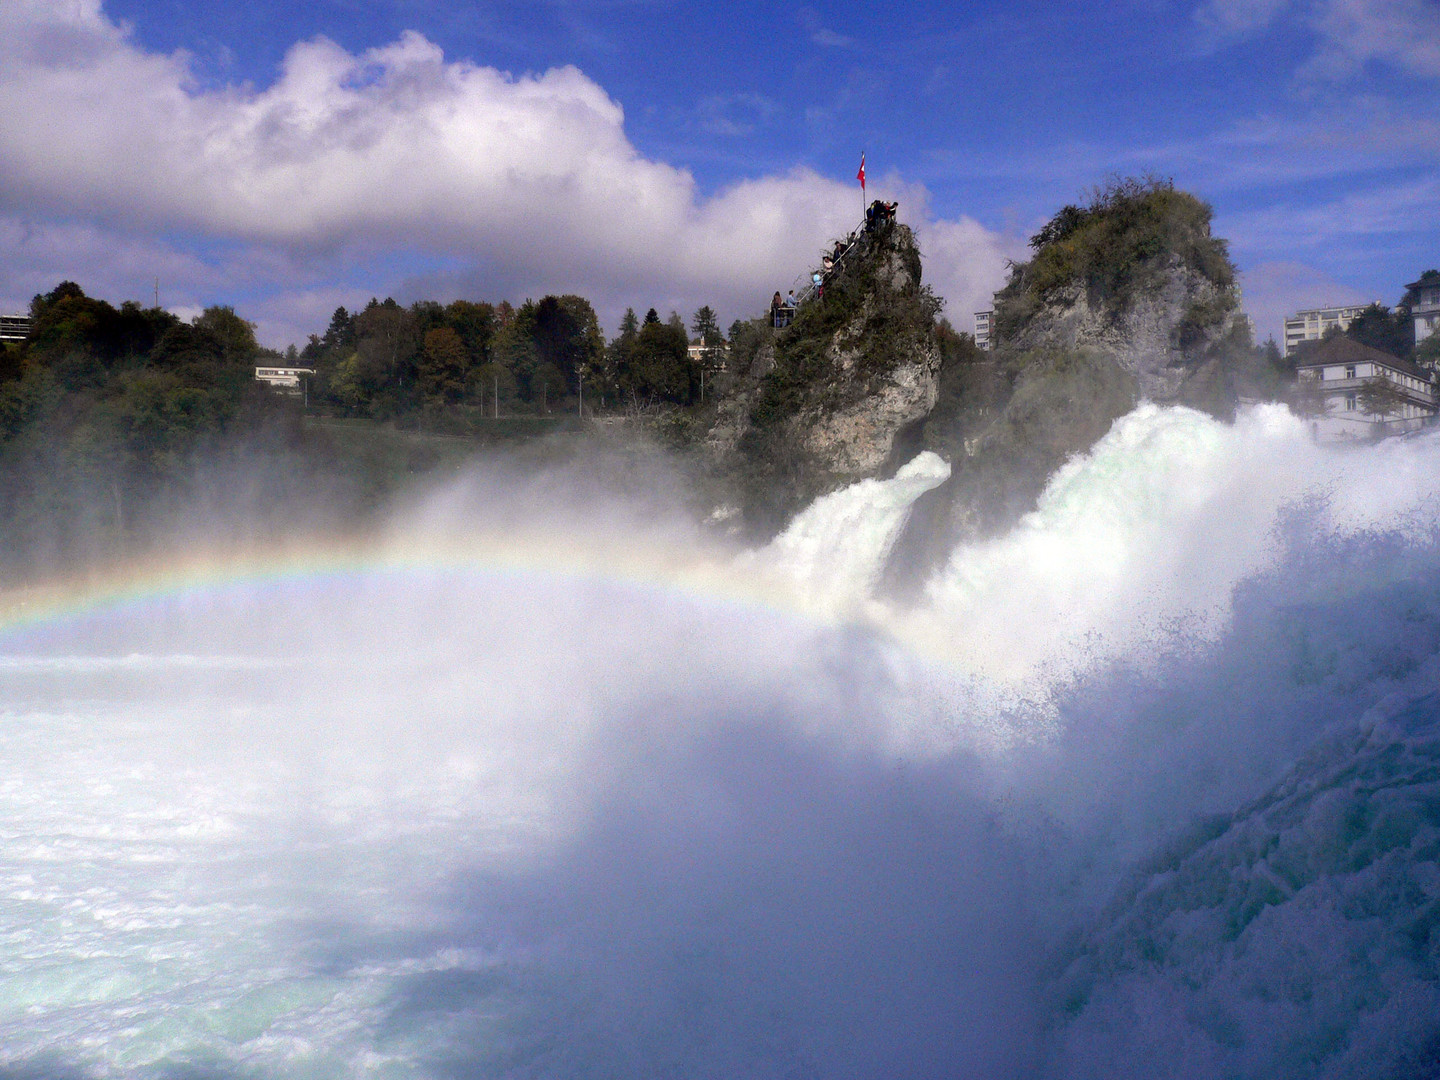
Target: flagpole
<point x="862" y="185"/>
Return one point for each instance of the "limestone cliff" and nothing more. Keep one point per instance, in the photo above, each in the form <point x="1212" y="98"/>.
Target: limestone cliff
<point x="829" y="400"/>
<point x="1128" y="299"/>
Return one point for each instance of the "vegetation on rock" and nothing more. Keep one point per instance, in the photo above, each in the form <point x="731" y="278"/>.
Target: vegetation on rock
<point x="1132" y="236"/>
<point x="1126" y="298"/>
<point x="859" y="358"/>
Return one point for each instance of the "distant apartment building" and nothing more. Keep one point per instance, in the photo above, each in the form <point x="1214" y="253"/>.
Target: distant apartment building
<point x="984" y="320"/>
<point x="1311" y="325"/>
<point x="1345" y="377"/>
<point x="14" y="327"/>
<point x="1426" y="309"/>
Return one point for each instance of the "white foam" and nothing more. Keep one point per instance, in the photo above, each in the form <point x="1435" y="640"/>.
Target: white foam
<point x="833" y="553"/>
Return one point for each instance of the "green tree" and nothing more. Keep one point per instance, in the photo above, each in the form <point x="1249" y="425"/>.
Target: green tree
<point x="1383" y="329"/>
<point x="476" y="324"/>
<point x="614" y="376"/>
<point x="1427" y="353"/>
<point x="188" y="346"/>
<point x="340" y="334"/>
<point x="348" y="384"/>
<point x="387" y="350"/>
<point x="12" y="362"/>
<point x="81" y="340"/>
<point x="493" y="384"/>
<point x="444" y="367"/>
<point x="706" y="327"/>
<point x="547" y="382"/>
<point x="567" y="336"/>
<point x="1123" y="244"/>
<point x="659" y="367"/>
<point x="426" y="315"/>
<point x="513" y="348"/>
<point x="234" y="335"/>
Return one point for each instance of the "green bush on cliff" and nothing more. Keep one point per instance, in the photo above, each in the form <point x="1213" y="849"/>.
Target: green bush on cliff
<point x="879" y="321"/>
<point x="873" y="317"/>
<point x="1117" y="248"/>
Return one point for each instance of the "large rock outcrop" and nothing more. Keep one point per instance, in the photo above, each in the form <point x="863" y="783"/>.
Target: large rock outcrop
<point x="836" y="397"/>
<point x="1125" y="300"/>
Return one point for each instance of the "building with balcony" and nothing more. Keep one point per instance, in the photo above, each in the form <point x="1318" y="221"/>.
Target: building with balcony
<point x="14" y="327"/>
<point x="1355" y="392"/>
<point x="1426" y="309"/>
<point x="1311" y="325"/>
<point x="984" y="321"/>
<point x="286" y="379"/>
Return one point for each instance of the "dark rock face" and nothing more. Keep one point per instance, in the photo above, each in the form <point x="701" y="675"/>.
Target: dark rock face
<point x="824" y="402"/>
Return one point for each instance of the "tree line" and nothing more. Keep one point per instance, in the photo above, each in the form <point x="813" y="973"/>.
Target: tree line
<point x="110" y="416"/>
<point x="387" y="361"/>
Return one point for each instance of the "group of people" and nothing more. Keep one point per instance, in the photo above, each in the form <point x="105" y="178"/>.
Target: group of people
<point x="877" y="213"/>
<point x="782" y="309"/>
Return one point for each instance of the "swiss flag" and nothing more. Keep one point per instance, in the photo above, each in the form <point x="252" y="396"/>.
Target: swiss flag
<point x="861" y="174"/>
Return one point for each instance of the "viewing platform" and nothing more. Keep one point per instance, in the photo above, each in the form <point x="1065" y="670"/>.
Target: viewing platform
<point x="14" y="328"/>
<point x="810" y="285"/>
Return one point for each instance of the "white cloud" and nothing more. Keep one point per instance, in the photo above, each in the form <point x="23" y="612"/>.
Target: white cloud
<point x="1379" y="212"/>
<point x="34" y="257"/>
<point x="1274" y="290"/>
<point x="1404" y="34"/>
<point x="966" y="263"/>
<point x="529" y="179"/>
<point x="1223" y="19"/>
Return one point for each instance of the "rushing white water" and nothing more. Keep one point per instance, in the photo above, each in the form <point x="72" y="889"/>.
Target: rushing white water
<point x="835" y="550"/>
<point x="459" y="822"/>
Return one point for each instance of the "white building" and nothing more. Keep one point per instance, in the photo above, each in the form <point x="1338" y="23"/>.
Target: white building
<point x="14" y="327"/>
<point x="697" y="353"/>
<point x="283" y="378"/>
<point x="1341" y="373"/>
<point x="1426" y="309"/>
<point x="1311" y="325"/>
<point x="984" y="320"/>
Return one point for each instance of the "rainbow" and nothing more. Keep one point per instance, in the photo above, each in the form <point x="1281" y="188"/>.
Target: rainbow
<point x="707" y="577"/>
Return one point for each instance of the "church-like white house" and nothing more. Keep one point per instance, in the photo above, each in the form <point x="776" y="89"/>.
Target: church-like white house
<point x="1358" y="392"/>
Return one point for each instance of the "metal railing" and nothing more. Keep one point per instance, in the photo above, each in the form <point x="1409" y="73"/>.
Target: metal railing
<point x="808" y="284"/>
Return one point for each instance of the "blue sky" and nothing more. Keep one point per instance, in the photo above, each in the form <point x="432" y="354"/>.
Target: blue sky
<point x="285" y="158"/>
